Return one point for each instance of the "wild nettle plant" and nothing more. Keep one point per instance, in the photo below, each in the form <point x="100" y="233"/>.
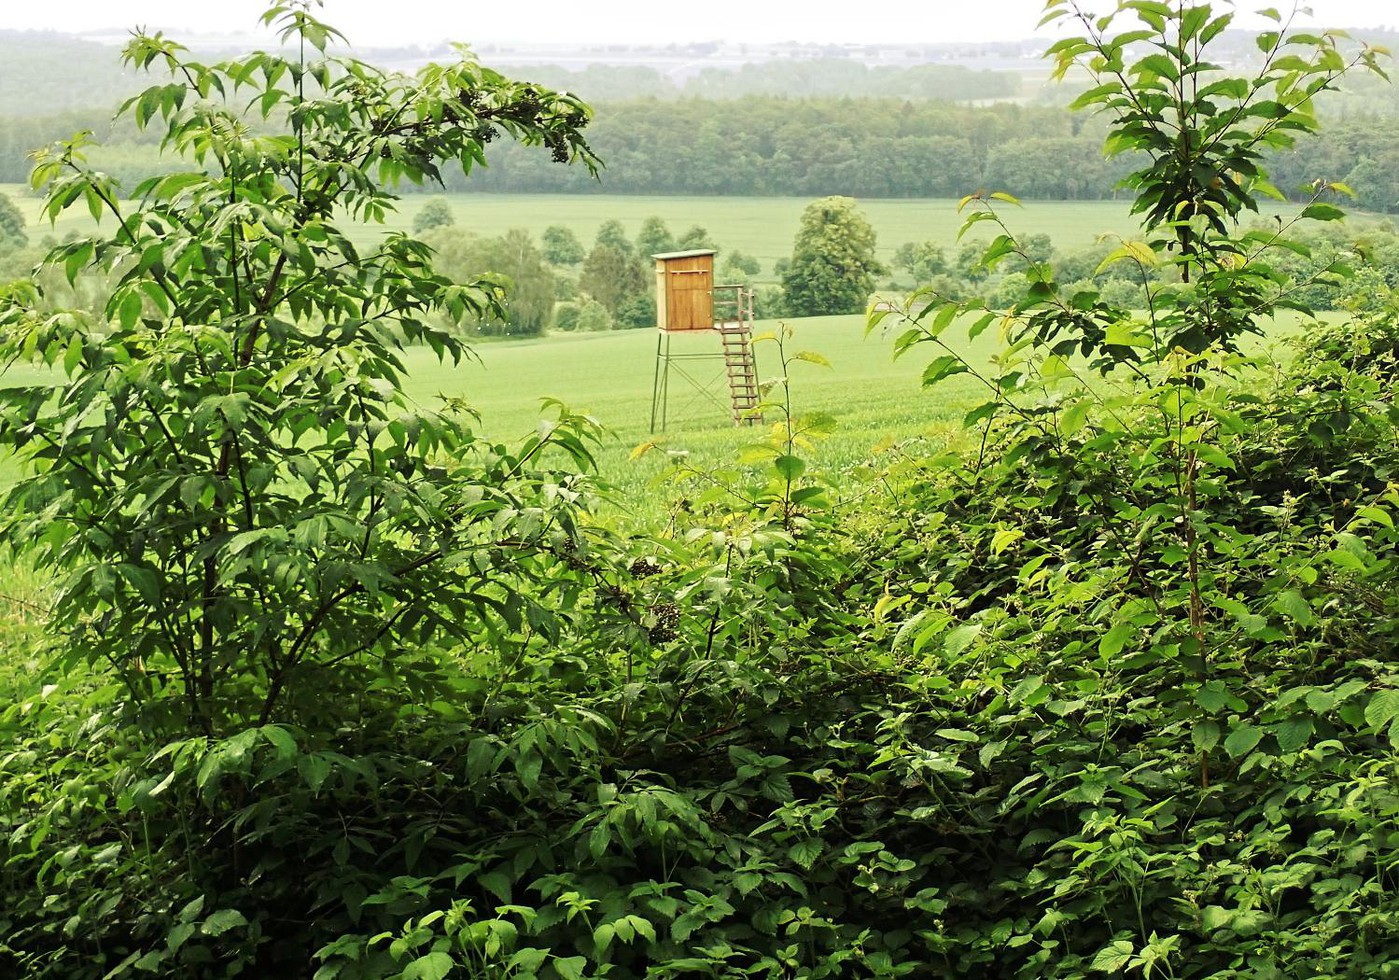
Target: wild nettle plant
<point x="1129" y="412"/>
<point x="242" y="504"/>
<point x="750" y="526"/>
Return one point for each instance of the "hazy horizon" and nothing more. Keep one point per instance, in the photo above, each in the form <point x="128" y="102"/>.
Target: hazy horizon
<point x="554" y="22"/>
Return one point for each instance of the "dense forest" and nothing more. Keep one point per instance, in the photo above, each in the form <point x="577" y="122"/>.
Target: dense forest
<point x="890" y="133"/>
<point x="810" y="148"/>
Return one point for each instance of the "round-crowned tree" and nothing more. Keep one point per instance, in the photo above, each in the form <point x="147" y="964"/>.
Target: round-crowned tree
<point x="436" y="213"/>
<point x="833" y="265"/>
<point x="561" y="246"/>
<point x="654" y="237"/>
<point x="11" y="225"/>
<point x="612" y="277"/>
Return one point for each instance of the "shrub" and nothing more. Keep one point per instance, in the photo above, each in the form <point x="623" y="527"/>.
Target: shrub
<point x="246" y="513"/>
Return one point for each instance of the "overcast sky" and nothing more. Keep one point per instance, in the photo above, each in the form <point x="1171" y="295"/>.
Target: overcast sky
<point x="376" y="22"/>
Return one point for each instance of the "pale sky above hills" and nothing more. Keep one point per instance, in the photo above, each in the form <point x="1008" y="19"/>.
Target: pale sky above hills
<point x="375" y="22"/>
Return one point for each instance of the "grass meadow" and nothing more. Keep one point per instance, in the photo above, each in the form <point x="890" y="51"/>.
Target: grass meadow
<point x="872" y="398"/>
<point x="610" y="376"/>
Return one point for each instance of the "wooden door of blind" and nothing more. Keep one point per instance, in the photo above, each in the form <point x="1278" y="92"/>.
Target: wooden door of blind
<point x="690" y="293"/>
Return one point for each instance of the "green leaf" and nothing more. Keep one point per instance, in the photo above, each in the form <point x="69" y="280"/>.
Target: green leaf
<point x="942" y="367"/>
<point x="570" y="967"/>
<point x="804" y="853"/>
<point x="1322" y="212"/>
<point x="131" y="306"/>
<point x="436" y="965"/>
<point x="1291" y="604"/>
<point x="1031" y="691"/>
<point x="1382" y="709"/>
<point x="1113" y="958"/>
<point x="221" y="921"/>
<point x="1138" y="252"/>
<point x="73" y="356"/>
<point x="526" y="961"/>
<point x="959" y="638"/>
<point x="1115" y="639"/>
<point x="1212" y="696"/>
<point x="1293" y="735"/>
<point x="281" y="739"/>
<point x="1242" y="740"/>
<point x="1375" y="515"/>
<point x="598" y="840"/>
<point x="314" y="769"/>
<point x="790" y="468"/>
<point x="1075" y="416"/>
<point x="957" y="735"/>
<point x="1056" y="368"/>
<point x="1004" y="538"/>
<point x="1204" y="735"/>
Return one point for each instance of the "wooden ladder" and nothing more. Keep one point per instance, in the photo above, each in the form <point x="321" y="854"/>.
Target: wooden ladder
<point x="736" y="335"/>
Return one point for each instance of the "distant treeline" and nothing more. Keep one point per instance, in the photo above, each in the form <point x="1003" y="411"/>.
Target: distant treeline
<point x="43" y="73"/>
<point x="871" y="148"/>
<point x="755" y="146"/>
<point x="793" y="78"/>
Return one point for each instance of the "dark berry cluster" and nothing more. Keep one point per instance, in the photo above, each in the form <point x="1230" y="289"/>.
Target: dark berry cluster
<point x="665" y="617"/>
<point x="643" y="567"/>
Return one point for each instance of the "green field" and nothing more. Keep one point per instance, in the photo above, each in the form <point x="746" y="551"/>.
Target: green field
<point x="763" y="226"/>
<point x="610" y="376"/>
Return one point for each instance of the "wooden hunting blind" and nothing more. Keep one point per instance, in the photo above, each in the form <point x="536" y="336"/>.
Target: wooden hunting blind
<point x="689" y="302"/>
<point x="685" y="290"/>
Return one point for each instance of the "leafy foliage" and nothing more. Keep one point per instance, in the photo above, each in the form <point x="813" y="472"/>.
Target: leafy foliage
<point x="241" y="502"/>
<point x="612" y="276"/>
<point x="561" y="245"/>
<point x="654" y="237"/>
<point x="1106" y="688"/>
<point x="833" y="264"/>
<point x="527" y="284"/>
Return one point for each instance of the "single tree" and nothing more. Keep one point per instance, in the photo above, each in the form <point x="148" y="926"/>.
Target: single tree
<point x="436" y="213"/>
<point x="654" y="237"/>
<point x="612" y="277"/>
<point x="561" y="246"/>
<point x="833" y="265"/>
<point x="612" y="234"/>
<point x="696" y="236"/>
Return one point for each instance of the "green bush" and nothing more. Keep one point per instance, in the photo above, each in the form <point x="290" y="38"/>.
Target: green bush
<point x="593" y="316"/>
<point x="245" y="514"/>
<point x="566" y="317"/>
<point x="637" y="312"/>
